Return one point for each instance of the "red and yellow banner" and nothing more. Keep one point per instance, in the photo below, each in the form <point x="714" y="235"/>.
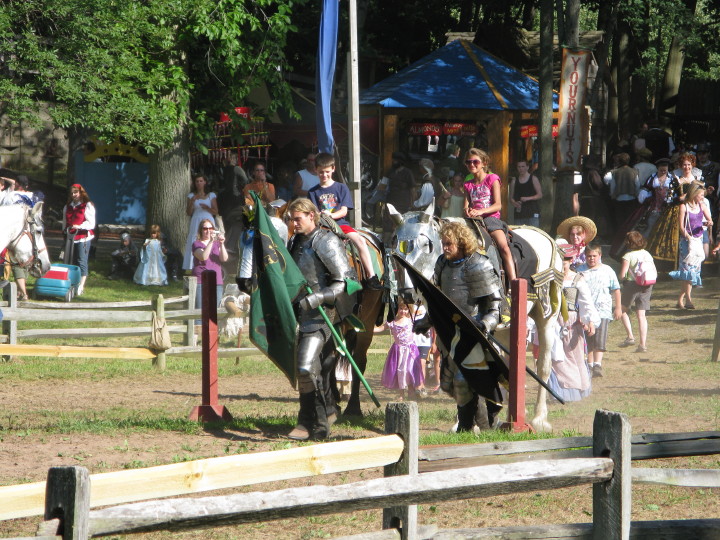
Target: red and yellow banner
<point x="532" y="131"/>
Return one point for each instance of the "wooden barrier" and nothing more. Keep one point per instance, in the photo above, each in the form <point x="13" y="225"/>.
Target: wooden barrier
<point x="118" y="487"/>
<point x="104" y="312"/>
<point x="67" y="508"/>
<point x="108" y="312"/>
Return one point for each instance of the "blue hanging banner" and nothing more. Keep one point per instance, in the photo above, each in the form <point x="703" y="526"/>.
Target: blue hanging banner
<point x="327" y="53"/>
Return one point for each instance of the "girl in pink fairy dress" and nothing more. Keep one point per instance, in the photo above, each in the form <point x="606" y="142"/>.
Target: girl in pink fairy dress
<point x="402" y="369"/>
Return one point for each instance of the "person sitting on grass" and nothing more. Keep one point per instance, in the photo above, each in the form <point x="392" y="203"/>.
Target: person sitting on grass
<point x="124" y="258"/>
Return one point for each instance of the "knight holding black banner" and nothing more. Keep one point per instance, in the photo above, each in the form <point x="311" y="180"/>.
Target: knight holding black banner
<point x="471" y="282"/>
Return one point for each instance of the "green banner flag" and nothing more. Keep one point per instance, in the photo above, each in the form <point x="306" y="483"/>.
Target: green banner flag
<point x="276" y="282"/>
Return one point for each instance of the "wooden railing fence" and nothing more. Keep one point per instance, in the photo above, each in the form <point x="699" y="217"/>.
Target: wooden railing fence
<point x="70" y="492"/>
<point x="134" y="312"/>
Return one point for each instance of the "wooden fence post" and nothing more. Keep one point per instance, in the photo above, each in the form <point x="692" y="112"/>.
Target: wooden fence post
<point x="159" y="307"/>
<point x="716" y="340"/>
<point x="210" y="410"/>
<point x="612" y="499"/>
<point x="402" y="419"/>
<point x="518" y="346"/>
<point x="191" y="288"/>
<point x="11" y="326"/>
<point x="67" y="497"/>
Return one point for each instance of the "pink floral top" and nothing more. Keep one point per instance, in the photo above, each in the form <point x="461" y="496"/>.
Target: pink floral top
<point x="480" y="195"/>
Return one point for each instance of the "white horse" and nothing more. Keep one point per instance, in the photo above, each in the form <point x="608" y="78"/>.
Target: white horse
<point x="21" y="231"/>
<point x="417" y="239"/>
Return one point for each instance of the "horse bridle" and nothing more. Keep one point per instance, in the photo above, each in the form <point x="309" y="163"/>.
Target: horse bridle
<point x="28" y="229"/>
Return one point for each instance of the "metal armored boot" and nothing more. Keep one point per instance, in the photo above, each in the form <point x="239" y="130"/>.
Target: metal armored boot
<point x="321" y="428"/>
<point x="306" y="418"/>
<point x="466" y="415"/>
<point x="114" y="270"/>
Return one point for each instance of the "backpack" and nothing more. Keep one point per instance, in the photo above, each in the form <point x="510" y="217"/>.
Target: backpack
<point x="645" y="273"/>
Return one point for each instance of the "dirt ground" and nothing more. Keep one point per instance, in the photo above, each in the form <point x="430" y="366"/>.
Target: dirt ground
<point x="671" y="388"/>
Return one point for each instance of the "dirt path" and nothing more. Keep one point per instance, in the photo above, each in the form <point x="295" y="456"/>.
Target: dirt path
<point x="671" y="388"/>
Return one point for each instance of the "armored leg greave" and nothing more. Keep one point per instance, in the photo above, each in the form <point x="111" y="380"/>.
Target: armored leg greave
<point x="466" y="414"/>
<point x="309" y="353"/>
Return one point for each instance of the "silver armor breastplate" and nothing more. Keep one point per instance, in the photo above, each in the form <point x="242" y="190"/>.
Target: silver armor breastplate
<point x="467" y="281"/>
<point x="322" y="259"/>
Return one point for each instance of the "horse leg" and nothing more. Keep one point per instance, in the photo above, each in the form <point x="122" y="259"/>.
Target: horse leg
<point x="358" y="344"/>
<point x="369" y="310"/>
<point x="545" y="334"/>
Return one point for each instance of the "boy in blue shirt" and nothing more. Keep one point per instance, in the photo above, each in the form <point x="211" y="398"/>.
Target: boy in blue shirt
<point x="334" y="199"/>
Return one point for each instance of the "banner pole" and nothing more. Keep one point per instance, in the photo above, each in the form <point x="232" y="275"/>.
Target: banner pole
<point x="341" y="343"/>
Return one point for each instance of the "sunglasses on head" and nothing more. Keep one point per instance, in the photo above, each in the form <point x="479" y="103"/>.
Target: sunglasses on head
<point x="473" y="162"/>
<point x="208" y="228"/>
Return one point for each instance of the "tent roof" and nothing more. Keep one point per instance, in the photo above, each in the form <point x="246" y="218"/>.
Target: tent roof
<point x="458" y="75"/>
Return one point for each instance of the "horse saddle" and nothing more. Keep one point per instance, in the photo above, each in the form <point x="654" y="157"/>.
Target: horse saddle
<point x="523" y="254"/>
<point x="374" y="245"/>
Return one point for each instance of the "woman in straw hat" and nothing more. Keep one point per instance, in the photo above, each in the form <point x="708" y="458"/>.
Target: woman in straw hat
<point x="570" y="377"/>
<point x="578" y="231"/>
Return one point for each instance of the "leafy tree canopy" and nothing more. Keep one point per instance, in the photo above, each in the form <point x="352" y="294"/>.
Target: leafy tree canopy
<point x="140" y="69"/>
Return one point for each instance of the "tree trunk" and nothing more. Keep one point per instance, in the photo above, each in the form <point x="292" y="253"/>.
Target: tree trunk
<point x="465" y="19"/>
<point x="624" y="69"/>
<point x="599" y="94"/>
<point x="168" y="189"/>
<point x="671" y="81"/>
<point x="673" y="69"/>
<point x="545" y="173"/>
<point x="560" y="15"/>
<point x="76" y="141"/>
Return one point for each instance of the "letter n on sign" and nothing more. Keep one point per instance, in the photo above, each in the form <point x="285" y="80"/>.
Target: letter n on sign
<point x="573" y="137"/>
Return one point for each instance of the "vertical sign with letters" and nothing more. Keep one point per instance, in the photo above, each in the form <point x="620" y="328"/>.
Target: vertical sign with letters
<point x="572" y="139"/>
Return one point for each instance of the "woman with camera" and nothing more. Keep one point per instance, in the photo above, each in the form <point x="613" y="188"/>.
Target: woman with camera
<point x="201" y="204"/>
<point x="209" y="253"/>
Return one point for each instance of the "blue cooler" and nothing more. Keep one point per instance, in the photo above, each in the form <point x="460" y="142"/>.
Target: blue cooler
<point x="60" y="281"/>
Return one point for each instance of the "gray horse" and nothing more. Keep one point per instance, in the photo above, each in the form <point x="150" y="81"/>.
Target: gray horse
<point x="417" y="239"/>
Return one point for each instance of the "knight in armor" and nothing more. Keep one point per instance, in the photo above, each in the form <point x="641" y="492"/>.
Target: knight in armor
<point x="469" y="279"/>
<point x="321" y="257"/>
<point x="124" y="258"/>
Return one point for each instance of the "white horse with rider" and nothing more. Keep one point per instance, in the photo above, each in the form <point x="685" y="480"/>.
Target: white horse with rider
<point x="417" y="240"/>
<point x="21" y="232"/>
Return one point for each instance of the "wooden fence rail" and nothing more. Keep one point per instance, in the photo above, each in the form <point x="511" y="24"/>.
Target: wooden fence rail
<point x="70" y="492"/>
<point x="118" y="487"/>
<point x="104" y="312"/>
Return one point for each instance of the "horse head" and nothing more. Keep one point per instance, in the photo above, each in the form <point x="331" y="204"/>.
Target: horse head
<point x="40" y="260"/>
<point x="417" y="240"/>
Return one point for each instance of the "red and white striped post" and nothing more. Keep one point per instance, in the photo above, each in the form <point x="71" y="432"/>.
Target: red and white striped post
<point x="518" y="339"/>
<point x="210" y="410"/>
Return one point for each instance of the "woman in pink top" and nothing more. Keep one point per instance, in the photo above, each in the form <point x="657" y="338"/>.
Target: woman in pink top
<point x="209" y="253"/>
<point x="482" y="200"/>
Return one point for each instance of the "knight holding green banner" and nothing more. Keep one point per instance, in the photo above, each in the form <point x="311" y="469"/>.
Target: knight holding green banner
<point x="289" y="325"/>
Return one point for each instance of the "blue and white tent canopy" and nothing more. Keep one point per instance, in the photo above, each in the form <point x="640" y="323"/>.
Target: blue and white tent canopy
<point x="459" y="76"/>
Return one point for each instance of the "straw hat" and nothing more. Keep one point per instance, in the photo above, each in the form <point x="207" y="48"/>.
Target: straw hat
<point x="578" y="221"/>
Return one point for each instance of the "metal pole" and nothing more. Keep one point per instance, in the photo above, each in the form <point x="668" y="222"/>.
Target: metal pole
<point x="354" y="116"/>
<point x="340" y="342"/>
